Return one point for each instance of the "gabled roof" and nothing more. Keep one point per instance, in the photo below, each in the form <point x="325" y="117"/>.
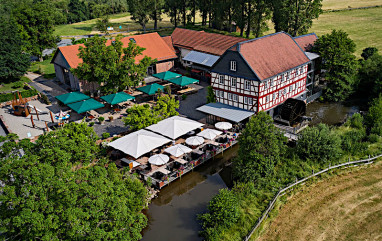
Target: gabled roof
<point x="211" y="43"/>
<point x="306" y="41"/>
<point x="168" y="41"/>
<point x="155" y="47"/>
<point x="272" y="54"/>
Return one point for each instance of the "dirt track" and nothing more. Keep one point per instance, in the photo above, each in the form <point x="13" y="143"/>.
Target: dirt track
<point x="344" y="207"/>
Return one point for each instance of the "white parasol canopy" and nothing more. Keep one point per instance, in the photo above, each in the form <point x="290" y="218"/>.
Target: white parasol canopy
<point x="159" y="159"/>
<point x="223" y="125"/>
<point x="138" y="143"/>
<point x="194" y="140"/>
<point x="178" y="150"/>
<point x="209" y="134"/>
<point x="175" y="126"/>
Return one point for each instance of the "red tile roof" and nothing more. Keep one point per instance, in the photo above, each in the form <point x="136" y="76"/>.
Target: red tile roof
<point x="272" y="54"/>
<point x="306" y="42"/>
<point x="168" y="41"/>
<point x="211" y="43"/>
<point x="155" y="47"/>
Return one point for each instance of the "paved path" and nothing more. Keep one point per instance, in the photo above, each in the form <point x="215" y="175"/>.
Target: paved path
<point x="115" y="127"/>
<point x="188" y="106"/>
<point x="46" y="86"/>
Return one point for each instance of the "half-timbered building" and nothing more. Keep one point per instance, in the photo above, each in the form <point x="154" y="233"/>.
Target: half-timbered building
<point x="260" y="74"/>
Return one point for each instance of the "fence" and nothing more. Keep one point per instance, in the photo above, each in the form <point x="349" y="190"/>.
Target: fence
<point x="283" y="191"/>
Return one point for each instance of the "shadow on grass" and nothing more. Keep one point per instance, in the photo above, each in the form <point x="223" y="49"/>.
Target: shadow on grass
<point x="85" y="28"/>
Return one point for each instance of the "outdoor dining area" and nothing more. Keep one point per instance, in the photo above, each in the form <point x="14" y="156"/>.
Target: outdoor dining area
<point x="165" y="151"/>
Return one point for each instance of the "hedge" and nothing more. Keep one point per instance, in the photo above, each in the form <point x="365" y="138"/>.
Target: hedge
<point x="24" y="94"/>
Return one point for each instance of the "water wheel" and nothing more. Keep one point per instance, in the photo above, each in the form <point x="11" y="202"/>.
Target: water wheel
<point x="293" y="110"/>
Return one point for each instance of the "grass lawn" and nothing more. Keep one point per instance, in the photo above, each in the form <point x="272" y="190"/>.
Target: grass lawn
<point x="364" y="26"/>
<point x="44" y="67"/>
<point x="11" y="86"/>
<point x="342" y="4"/>
<point x="343" y="207"/>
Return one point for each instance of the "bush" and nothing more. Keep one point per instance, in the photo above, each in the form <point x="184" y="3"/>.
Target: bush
<point x="91" y="124"/>
<point x="45" y="98"/>
<point x="352" y="141"/>
<point x="356" y="121"/>
<point x="184" y="96"/>
<point x="105" y="135"/>
<point x="18" y="84"/>
<point x="374" y="117"/>
<point x="24" y="94"/>
<point x="373" y="138"/>
<point x="101" y="119"/>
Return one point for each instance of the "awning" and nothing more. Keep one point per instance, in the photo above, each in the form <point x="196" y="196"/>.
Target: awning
<point x="72" y="97"/>
<point x="175" y="126"/>
<point x="138" y="143"/>
<point x="183" y="81"/>
<point x="201" y="58"/>
<point x="117" y="98"/>
<point x="85" y="105"/>
<point x="312" y="56"/>
<point x="227" y="112"/>
<point x="167" y="75"/>
<point x="151" y="89"/>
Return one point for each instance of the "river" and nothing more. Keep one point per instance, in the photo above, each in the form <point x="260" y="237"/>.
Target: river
<point x="172" y="215"/>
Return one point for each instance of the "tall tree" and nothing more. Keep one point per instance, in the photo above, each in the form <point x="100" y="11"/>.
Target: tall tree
<point x="140" y="116"/>
<point x="140" y="11"/>
<point x="111" y="65"/>
<point x="374" y="117"/>
<point x="156" y="12"/>
<point x="166" y="106"/>
<point x="295" y="16"/>
<point x="239" y="15"/>
<point x="77" y="11"/>
<point x="261" y="147"/>
<point x="259" y="17"/>
<point x="102" y="24"/>
<point x="337" y="51"/>
<point x="13" y="62"/>
<point x="172" y="9"/>
<point x="370" y="76"/>
<point x="35" y="21"/>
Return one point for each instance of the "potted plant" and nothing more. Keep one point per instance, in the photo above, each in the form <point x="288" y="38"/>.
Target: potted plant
<point x="111" y="118"/>
<point x="101" y="119"/>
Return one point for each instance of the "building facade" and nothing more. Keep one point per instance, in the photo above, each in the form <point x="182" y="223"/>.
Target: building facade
<point x="260" y="74"/>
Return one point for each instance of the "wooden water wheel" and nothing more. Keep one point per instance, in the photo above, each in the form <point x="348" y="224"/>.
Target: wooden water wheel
<point x="293" y="110"/>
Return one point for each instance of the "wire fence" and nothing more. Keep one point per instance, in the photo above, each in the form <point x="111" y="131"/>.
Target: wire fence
<point x="284" y="190"/>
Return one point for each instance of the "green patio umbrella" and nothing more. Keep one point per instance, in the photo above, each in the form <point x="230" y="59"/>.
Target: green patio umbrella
<point x="117" y="98"/>
<point x="72" y="97"/>
<point x="151" y="89"/>
<point x="183" y="81"/>
<point x="85" y="105"/>
<point x="167" y="75"/>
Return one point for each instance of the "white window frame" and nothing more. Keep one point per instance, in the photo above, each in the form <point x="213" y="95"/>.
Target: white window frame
<point x="266" y="99"/>
<point x="235" y="97"/>
<point x="230" y="96"/>
<point x="273" y="96"/>
<point x="287" y="76"/>
<point x="221" y="79"/>
<point x="233" y="82"/>
<point x="250" y="101"/>
<point x="265" y="85"/>
<point x="271" y="83"/>
<point x="247" y="85"/>
<point x="222" y="94"/>
<point x="245" y="100"/>
<point x="290" y="88"/>
<point x="297" y="71"/>
<point x="233" y="65"/>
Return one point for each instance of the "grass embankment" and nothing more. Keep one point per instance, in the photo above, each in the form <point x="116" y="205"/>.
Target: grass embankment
<point x="343" y="207"/>
<point x="45" y="68"/>
<point x="122" y="19"/>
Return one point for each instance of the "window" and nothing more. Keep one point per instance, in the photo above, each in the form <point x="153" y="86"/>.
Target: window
<point x="284" y="91"/>
<point x="283" y="78"/>
<point x="221" y="93"/>
<point x="235" y="97"/>
<point x="245" y="99"/>
<point x="233" y="66"/>
<point x="265" y="85"/>
<point x="298" y="71"/>
<point x="266" y="99"/>
<point x="221" y="79"/>
<point x="250" y="101"/>
<point x="270" y="83"/>
<point x="290" y="88"/>
<point x="233" y="81"/>
<point x="287" y="76"/>
<point x="274" y="96"/>
<point x="247" y="85"/>
<point x="230" y="96"/>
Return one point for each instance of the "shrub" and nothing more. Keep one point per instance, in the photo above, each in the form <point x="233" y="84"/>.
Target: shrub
<point x="184" y="96"/>
<point x="91" y="124"/>
<point x="101" y="119"/>
<point x="105" y="135"/>
<point x="373" y="138"/>
<point x="24" y="94"/>
<point x="356" y="121"/>
<point x="45" y="98"/>
<point x="352" y="141"/>
<point x="17" y="85"/>
<point x="374" y="117"/>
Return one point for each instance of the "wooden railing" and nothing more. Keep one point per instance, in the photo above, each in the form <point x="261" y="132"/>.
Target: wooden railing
<point x="284" y="190"/>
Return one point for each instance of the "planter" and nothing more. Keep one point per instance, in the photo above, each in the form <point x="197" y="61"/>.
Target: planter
<point x="161" y="184"/>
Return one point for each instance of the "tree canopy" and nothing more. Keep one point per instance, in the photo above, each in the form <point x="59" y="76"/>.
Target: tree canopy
<point x="370" y="76"/>
<point x="113" y="67"/>
<point x="337" y="51"/>
<point x="374" y="117"/>
<point x="261" y="147"/>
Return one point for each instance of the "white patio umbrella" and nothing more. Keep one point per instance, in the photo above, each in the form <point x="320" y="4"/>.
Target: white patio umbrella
<point x="178" y="150"/>
<point x="194" y="140"/>
<point x="223" y="125"/>
<point x="209" y="133"/>
<point x="159" y="159"/>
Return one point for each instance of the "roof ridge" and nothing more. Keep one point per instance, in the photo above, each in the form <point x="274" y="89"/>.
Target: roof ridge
<point x="304" y="35"/>
<point x="254" y="39"/>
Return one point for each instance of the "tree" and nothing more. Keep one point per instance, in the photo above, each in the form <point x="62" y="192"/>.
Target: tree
<point x="210" y="95"/>
<point x="368" y="52"/>
<point x="172" y="9"/>
<point x="166" y="106"/>
<point x="111" y="65"/>
<point x="223" y="211"/>
<point x="77" y="11"/>
<point x="156" y="12"/>
<point x="374" y="117"/>
<point x="370" y="76"/>
<point x="318" y="144"/>
<point x="259" y="16"/>
<point x="140" y="11"/>
<point x="337" y="51"/>
<point x="13" y="62"/>
<point x="261" y="146"/>
<point x="35" y="23"/>
<point x="102" y="24"/>
<point x="295" y="16"/>
<point x="239" y="15"/>
<point x="40" y="201"/>
<point x="139" y="117"/>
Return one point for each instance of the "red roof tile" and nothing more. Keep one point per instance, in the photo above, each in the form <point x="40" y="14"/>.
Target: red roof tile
<point x="155" y="47"/>
<point x="306" y="42"/>
<point x="211" y="43"/>
<point x="272" y="54"/>
<point x="168" y="41"/>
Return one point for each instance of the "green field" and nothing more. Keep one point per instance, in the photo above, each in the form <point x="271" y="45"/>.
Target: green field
<point x="342" y="4"/>
<point x="364" y="26"/>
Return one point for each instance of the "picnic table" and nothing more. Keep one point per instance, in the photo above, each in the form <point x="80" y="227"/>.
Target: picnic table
<point x="188" y="90"/>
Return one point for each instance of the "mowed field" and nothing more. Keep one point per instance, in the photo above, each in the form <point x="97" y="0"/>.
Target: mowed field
<point x="342" y="4"/>
<point x="343" y="207"/>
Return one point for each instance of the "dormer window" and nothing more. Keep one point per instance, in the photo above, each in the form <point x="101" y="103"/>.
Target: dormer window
<point x="233" y="66"/>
